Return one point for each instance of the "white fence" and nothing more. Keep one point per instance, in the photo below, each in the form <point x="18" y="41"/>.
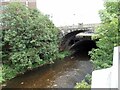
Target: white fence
<point x="110" y="77"/>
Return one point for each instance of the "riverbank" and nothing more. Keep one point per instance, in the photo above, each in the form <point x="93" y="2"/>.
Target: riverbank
<point x="62" y="74"/>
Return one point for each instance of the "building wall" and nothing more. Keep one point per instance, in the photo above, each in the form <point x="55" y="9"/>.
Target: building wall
<point x="3" y="3"/>
<point x="29" y="3"/>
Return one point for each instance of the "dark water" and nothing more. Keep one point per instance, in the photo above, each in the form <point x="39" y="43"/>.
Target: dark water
<point x="62" y="74"/>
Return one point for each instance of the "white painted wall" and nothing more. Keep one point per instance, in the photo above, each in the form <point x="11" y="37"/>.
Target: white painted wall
<point x="114" y="70"/>
<point x="108" y="78"/>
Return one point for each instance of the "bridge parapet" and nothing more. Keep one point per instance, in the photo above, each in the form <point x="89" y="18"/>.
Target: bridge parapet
<point x="87" y="27"/>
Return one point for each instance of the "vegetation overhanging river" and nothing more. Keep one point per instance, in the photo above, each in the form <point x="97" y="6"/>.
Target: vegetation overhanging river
<point x="62" y="74"/>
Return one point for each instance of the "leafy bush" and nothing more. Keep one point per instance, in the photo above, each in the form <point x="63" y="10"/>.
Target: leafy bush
<point x="29" y="39"/>
<point x="1" y="78"/>
<point x="88" y="78"/>
<point x="86" y="83"/>
<point x="83" y="84"/>
<point x="64" y="53"/>
<point x="108" y="36"/>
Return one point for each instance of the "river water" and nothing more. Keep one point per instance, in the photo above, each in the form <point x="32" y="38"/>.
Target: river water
<point x="62" y="74"/>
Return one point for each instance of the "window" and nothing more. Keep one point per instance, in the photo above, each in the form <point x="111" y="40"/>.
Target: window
<point x="2" y="7"/>
<point x="26" y="2"/>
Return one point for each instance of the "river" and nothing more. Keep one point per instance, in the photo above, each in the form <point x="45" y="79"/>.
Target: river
<point x="62" y="74"/>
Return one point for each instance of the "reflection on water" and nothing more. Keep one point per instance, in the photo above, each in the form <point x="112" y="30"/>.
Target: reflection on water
<point x="62" y="74"/>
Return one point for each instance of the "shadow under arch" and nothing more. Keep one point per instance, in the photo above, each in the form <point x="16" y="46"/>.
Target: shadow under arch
<point x="67" y="38"/>
<point x="83" y="46"/>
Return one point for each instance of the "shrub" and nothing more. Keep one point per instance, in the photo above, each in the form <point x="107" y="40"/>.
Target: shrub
<point x="108" y="35"/>
<point x="29" y="39"/>
<point x="83" y="84"/>
<point x="86" y="83"/>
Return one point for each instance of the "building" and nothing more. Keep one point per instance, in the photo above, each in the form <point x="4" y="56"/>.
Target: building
<point x="29" y="3"/>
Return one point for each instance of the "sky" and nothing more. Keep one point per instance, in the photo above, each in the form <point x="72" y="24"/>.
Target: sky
<point x="69" y="12"/>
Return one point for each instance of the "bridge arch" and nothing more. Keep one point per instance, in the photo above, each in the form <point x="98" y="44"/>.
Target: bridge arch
<point x="66" y="39"/>
<point x="77" y="44"/>
<point x="70" y="41"/>
<point x="83" y="46"/>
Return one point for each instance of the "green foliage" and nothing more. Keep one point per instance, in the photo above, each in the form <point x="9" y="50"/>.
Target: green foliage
<point x="83" y="84"/>
<point x="108" y="36"/>
<point x="29" y="40"/>
<point x="88" y="79"/>
<point x="64" y="54"/>
<point x="86" y="83"/>
<point x="1" y="78"/>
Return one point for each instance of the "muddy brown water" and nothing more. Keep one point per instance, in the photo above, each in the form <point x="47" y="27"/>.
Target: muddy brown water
<point x="62" y="74"/>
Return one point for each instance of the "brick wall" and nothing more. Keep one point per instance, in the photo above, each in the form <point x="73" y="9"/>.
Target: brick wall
<point x="31" y="3"/>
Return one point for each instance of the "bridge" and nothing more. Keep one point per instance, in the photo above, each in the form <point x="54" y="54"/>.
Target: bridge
<point x="90" y="28"/>
<point x="77" y="37"/>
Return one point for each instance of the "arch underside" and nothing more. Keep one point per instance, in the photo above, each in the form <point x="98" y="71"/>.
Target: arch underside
<point x="77" y="44"/>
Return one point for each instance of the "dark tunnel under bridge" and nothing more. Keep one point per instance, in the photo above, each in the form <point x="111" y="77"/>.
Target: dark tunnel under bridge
<point x="76" y="43"/>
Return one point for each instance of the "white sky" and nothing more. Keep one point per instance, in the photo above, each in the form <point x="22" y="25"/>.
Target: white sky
<point x="68" y="12"/>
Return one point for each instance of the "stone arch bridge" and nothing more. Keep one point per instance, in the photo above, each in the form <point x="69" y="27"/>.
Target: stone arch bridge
<point x="77" y="37"/>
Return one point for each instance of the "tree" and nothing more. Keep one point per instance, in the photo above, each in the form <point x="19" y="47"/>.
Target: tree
<point x="108" y="35"/>
<point x="29" y="40"/>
